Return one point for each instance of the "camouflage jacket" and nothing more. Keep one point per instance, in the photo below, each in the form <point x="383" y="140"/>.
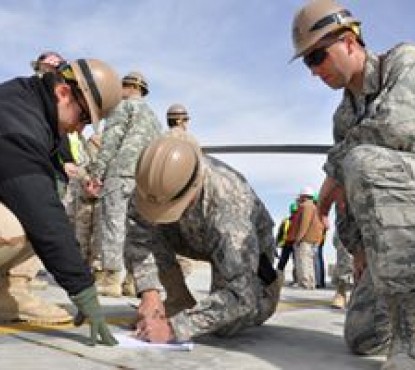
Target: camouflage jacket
<point x="383" y="114"/>
<point x="130" y="127"/>
<point x="229" y="227"/>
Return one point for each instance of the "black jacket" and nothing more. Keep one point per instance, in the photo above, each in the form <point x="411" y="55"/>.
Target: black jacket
<point x="28" y="140"/>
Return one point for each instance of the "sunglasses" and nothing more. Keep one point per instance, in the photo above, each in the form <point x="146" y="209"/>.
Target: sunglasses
<point x="66" y="71"/>
<point x="84" y="116"/>
<point x="318" y="56"/>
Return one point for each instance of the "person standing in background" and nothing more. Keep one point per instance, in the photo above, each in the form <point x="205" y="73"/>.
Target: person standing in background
<point x="127" y="131"/>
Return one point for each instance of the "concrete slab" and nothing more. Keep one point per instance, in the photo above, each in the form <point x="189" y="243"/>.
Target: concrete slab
<point x="304" y="333"/>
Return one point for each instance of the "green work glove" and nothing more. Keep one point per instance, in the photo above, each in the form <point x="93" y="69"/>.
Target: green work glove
<point x="89" y="307"/>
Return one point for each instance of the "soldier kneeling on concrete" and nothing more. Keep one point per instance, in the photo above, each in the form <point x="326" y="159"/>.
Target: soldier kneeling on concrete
<point x="17" y="303"/>
<point x="199" y="207"/>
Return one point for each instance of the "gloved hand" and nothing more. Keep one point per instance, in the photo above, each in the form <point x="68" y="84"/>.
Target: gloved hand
<point x="89" y="307"/>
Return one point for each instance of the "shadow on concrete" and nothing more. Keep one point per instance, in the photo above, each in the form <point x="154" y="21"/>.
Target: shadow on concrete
<point x="292" y="348"/>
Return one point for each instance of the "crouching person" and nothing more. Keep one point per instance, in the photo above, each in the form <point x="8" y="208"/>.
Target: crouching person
<point x="17" y="268"/>
<point x="198" y="207"/>
<point x="35" y="113"/>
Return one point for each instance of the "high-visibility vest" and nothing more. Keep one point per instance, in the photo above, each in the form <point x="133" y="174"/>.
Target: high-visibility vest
<point x="74" y="145"/>
<point x="283" y="232"/>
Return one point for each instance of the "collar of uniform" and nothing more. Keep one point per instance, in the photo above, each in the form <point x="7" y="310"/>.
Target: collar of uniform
<point x="371" y="82"/>
<point x="372" y="77"/>
<point x="137" y="97"/>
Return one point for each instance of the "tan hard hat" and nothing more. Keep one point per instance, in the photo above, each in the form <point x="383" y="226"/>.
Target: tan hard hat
<point x="99" y="84"/>
<point x="177" y="111"/>
<point x="316" y="20"/>
<point x="137" y="79"/>
<point x="169" y="176"/>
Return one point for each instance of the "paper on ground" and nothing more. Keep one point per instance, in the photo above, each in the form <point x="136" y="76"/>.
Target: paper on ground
<point x="126" y="340"/>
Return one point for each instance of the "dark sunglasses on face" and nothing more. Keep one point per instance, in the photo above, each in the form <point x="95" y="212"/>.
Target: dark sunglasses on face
<point x="317" y="56"/>
<point x="84" y="116"/>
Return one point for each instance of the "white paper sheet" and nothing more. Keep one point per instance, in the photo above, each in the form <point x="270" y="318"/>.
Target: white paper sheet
<point x="126" y="340"/>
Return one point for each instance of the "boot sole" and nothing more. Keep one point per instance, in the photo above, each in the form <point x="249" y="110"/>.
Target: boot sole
<point x="34" y="320"/>
<point x="104" y="294"/>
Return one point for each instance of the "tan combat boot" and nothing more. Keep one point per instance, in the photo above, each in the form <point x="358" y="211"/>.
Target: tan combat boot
<point x="38" y="284"/>
<point x="339" y="300"/>
<point x="111" y="285"/>
<point x="178" y="295"/>
<point x="401" y="354"/>
<point x="128" y="286"/>
<point x="17" y="303"/>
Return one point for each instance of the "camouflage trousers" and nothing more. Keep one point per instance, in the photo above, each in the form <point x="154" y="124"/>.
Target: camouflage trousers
<point x="380" y="190"/>
<point x="84" y="213"/>
<point x="116" y="193"/>
<point x="367" y="328"/>
<point x="343" y="271"/>
<point x="262" y="304"/>
<point x="304" y="254"/>
<point x="266" y="301"/>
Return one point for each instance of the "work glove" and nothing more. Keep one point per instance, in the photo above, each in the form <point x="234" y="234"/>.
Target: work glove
<point x="89" y="308"/>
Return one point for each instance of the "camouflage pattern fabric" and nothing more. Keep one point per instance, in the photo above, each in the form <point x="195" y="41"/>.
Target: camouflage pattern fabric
<point x="114" y="203"/>
<point x="304" y="264"/>
<point x="229" y="227"/>
<point x="367" y="328"/>
<point x="373" y="158"/>
<point x="129" y="129"/>
<point x="343" y="271"/>
<point x="381" y="191"/>
<point x="348" y="231"/>
<point x="82" y="210"/>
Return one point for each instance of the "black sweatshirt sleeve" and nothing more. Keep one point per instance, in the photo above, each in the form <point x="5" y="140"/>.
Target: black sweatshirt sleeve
<point x="34" y="201"/>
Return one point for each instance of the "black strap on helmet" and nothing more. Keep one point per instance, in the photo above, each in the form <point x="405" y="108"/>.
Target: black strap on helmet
<point x="332" y="18"/>
<point x="83" y="65"/>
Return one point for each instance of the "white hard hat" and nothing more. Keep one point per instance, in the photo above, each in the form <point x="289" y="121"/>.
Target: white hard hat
<point x="307" y="191"/>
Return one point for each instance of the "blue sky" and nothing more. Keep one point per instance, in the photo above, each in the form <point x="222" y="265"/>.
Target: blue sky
<point x="226" y="60"/>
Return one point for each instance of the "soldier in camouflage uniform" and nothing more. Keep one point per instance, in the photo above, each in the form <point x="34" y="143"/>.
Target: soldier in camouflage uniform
<point x="370" y="169"/>
<point x="199" y="207"/>
<point x="85" y="211"/>
<point x="127" y="131"/>
<point x="177" y="116"/>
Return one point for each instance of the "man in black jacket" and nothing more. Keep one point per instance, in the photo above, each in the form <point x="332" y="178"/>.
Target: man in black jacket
<point x="34" y="113"/>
